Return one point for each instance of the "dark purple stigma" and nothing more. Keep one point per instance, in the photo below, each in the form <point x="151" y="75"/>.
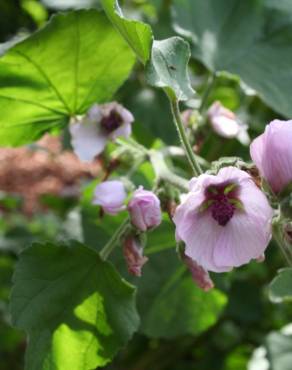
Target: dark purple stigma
<point x="222" y="200"/>
<point x="111" y="122"/>
<point x="222" y="210"/>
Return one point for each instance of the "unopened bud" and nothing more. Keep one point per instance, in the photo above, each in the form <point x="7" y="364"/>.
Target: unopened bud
<point x="133" y="254"/>
<point x="144" y="209"/>
<point x="200" y="276"/>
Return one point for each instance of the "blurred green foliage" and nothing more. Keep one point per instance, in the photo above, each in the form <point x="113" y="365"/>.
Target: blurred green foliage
<point x="230" y="323"/>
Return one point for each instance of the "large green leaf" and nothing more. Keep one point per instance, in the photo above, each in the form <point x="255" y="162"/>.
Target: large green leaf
<point x="137" y="34"/>
<point x="168" y="67"/>
<point x="169" y="302"/>
<point x="281" y="286"/>
<point x="75" y="308"/>
<point x="76" y="60"/>
<point x="248" y="38"/>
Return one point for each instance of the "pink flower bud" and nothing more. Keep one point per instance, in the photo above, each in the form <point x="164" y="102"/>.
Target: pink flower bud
<point x="144" y="209"/>
<point x="200" y="276"/>
<point x="224" y="221"/>
<point x="133" y="253"/>
<point x="272" y="153"/>
<point x="226" y="124"/>
<point x="110" y="195"/>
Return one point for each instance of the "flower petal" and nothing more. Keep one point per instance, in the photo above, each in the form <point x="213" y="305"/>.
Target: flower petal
<point x="225" y="127"/>
<point x="124" y="130"/>
<point x="111" y="196"/>
<point x="248" y="233"/>
<point x="87" y="140"/>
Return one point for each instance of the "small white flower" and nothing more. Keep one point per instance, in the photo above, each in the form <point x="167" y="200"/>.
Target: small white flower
<point x="105" y="122"/>
<point x="226" y="124"/>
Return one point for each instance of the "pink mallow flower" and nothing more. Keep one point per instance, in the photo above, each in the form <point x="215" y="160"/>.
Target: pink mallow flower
<point x="272" y="154"/>
<point x="105" y="122"/>
<point x="110" y="195"/>
<point x="226" y="124"/>
<point x="144" y="209"/>
<point x="224" y="221"/>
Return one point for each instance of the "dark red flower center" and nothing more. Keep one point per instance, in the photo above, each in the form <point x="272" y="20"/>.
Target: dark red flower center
<point x="222" y="210"/>
<point x="222" y="201"/>
<point x="111" y="122"/>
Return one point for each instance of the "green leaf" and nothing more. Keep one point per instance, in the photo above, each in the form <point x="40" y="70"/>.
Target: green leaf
<point x="279" y="350"/>
<point x="169" y="302"/>
<point x="248" y="38"/>
<point x="78" y="59"/>
<point x="168" y="67"/>
<point x="75" y="308"/>
<point x="281" y="286"/>
<point x="280" y="4"/>
<point x="137" y="34"/>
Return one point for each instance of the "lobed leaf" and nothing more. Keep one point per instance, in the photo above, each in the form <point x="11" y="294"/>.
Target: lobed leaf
<point x="168" y="67"/>
<point x="75" y="307"/>
<point x="137" y="34"/>
<point x="78" y="59"/>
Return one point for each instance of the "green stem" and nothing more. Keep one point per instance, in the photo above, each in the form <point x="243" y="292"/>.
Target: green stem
<point x="115" y="239"/>
<point x="210" y="84"/>
<point x="183" y="137"/>
<point x="278" y="237"/>
<point x="163" y="173"/>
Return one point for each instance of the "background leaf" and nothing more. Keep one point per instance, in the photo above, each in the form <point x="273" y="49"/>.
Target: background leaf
<point x="169" y="302"/>
<point x="75" y="307"/>
<point x="281" y="286"/>
<point x="248" y="38"/>
<point x="76" y="60"/>
<point x="279" y="347"/>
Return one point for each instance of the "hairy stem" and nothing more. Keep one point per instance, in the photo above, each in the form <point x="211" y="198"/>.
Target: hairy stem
<point x="279" y="239"/>
<point x="183" y="137"/>
<point x="163" y="172"/>
<point x="115" y="239"/>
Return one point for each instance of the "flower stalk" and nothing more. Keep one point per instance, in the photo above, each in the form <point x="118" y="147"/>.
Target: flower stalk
<point x="115" y="239"/>
<point x="163" y="173"/>
<point x="183" y="137"/>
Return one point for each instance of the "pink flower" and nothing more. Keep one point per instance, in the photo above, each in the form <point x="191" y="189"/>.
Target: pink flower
<point x="102" y="123"/>
<point x="144" y="209"/>
<point x="133" y="253"/>
<point x="272" y="153"/>
<point x="110" y="195"/>
<point x="225" y="220"/>
<point x="225" y="123"/>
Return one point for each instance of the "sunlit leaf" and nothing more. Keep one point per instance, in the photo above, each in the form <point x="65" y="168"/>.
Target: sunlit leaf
<point x="75" y="308"/>
<point x="76" y="60"/>
<point x="137" y="34"/>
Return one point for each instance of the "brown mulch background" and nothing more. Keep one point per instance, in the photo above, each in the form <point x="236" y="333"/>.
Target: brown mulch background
<point x="44" y="169"/>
